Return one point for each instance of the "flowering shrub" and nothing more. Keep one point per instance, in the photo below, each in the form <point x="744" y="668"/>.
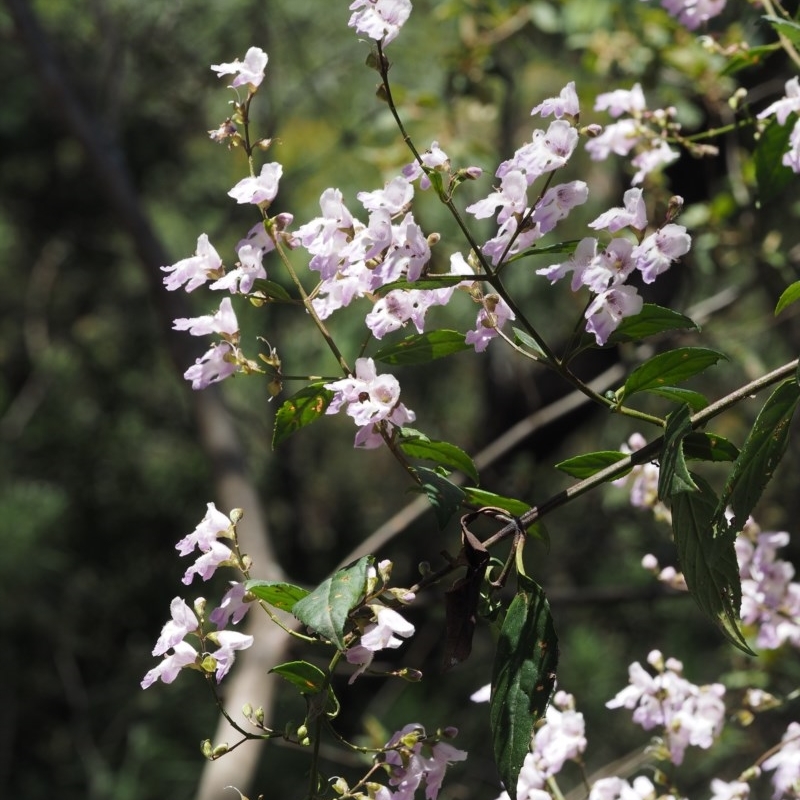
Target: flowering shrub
<point x="727" y="564"/>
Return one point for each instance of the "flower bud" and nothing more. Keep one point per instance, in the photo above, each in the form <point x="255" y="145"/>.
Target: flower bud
<point x="200" y="608"/>
<point x="247" y="710"/>
<point x="206" y="749"/>
<point x="340" y="786"/>
<point x="433" y="238"/>
<point x="592" y="131"/>
<point x="302" y="732"/>
<point x="236" y="515"/>
<point x="259" y="715"/>
<point x="220" y="750"/>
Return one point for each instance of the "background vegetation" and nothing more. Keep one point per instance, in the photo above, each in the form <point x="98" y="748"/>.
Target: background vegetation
<point x="102" y="467"/>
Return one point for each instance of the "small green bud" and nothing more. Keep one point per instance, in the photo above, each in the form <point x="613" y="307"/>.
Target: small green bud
<point x="206" y="749"/>
<point x="259" y="715"/>
<point x="220" y="750"/>
<point x="236" y="515"/>
<point x="302" y="732"/>
<point x="247" y="710"/>
<point x="340" y="786"/>
<point x="305" y="742"/>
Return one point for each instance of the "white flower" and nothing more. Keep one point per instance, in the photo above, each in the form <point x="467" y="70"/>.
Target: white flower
<point x="251" y="70"/>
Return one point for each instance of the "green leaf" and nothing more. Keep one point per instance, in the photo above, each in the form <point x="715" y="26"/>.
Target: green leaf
<point x="431" y="281"/>
<point x="708" y="559"/>
<point x="481" y="498"/>
<point x="444" y="496"/>
<point x="326" y="609"/>
<point x="588" y="464"/>
<point x="790" y="295"/>
<point x="276" y="593"/>
<point x="528" y="341"/>
<point x="674" y="477"/>
<point x="671" y="367"/>
<point x="272" y="290"/>
<point x="444" y="453"/>
<point x="749" y="58"/>
<point x="785" y="27"/>
<point x="299" y="410"/>
<point x="560" y="247"/>
<point x="309" y="680"/>
<point x="695" y="400"/>
<point x="772" y="176"/>
<point x="523" y="678"/>
<point x="702" y="446"/>
<point x="652" y="319"/>
<point x="760" y="454"/>
<point x="423" y="347"/>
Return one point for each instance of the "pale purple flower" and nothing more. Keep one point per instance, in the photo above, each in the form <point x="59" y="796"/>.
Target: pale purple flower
<point x="693" y="13"/>
<point x="183" y="621"/>
<point x="562" y="738"/>
<point x="196" y="270"/>
<point x="492" y="316"/>
<point x="609" y="268"/>
<point x="369" y="397"/>
<point x="382" y="634"/>
<point x="408" y="253"/>
<point x="182" y="656"/>
<point x="229" y="643"/>
<point x="791" y="158"/>
<point x="222" y="321"/>
<point x="657" y="155"/>
<point x="788" y="104"/>
<point x="622" y="101"/>
<point x="733" y="790"/>
<point x="577" y="263"/>
<point x="566" y="104"/>
<point x="232" y="607"/>
<point x="250" y="71"/>
<point x="434" y="158"/>
<point x="615" y="788"/>
<point x="786" y="763"/>
<point x="394" y="197"/>
<point x="213" y="366"/>
<point x="547" y="151"/>
<point x="207" y="531"/>
<point x="510" y="198"/>
<point x="381" y="20"/>
<point x="206" y="564"/>
<point x="482" y="695"/>
<point x="609" y="308"/>
<point x="260" y="190"/>
<point x="556" y="204"/>
<point x="633" y="213"/>
<point x="657" y="252"/>
<point x="248" y="269"/>
<point x="369" y="436"/>
<point x="619" y="137"/>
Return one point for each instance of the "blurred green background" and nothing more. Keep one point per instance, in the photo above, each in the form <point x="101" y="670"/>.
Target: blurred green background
<point x="103" y="463"/>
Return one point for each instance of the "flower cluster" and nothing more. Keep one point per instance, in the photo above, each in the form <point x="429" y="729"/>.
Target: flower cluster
<point x="604" y="271"/>
<point x="781" y="109"/>
<point x="411" y="761"/>
<point x="688" y="714"/>
<point x="642" y="130"/>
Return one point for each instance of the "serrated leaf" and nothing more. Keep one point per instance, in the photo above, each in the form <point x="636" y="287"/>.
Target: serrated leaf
<point x="272" y="290"/>
<point x="588" y="464"/>
<point x="674" y="477"/>
<point x="423" y="347"/>
<point x="652" y="319"/>
<point x="790" y="295"/>
<point x="528" y="341"/>
<point x="326" y="609"/>
<point x="444" y="496"/>
<point x="760" y="454"/>
<point x="772" y="176"/>
<point x="523" y="679"/>
<point x="310" y="681"/>
<point x="708" y="559"/>
<point x="277" y="593"/>
<point x="674" y="366"/>
<point x="444" y="453"/>
<point x="695" y="400"/>
<point x="702" y="446"/>
<point x="301" y="409"/>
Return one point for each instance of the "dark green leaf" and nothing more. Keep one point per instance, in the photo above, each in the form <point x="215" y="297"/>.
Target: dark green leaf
<point x="433" y="281"/>
<point x="674" y="477"/>
<point x="674" y="366"/>
<point x="276" y="593"/>
<point x="528" y="341"/>
<point x="326" y="609"/>
<point x="790" y="295"/>
<point x="652" y="319"/>
<point x="702" y="446"/>
<point x="299" y="410"/>
<point x="272" y="290"/>
<point x="588" y="464"/>
<point x="551" y="249"/>
<point x="444" y="453"/>
<point x="423" y="347"/>
<point x="523" y="679"/>
<point x="309" y="680"/>
<point x="785" y="27"/>
<point x="444" y="496"/>
<point x="708" y="559"/>
<point x="480" y="498"/>
<point x="695" y="400"/>
<point x="772" y="176"/>
<point x="760" y="454"/>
